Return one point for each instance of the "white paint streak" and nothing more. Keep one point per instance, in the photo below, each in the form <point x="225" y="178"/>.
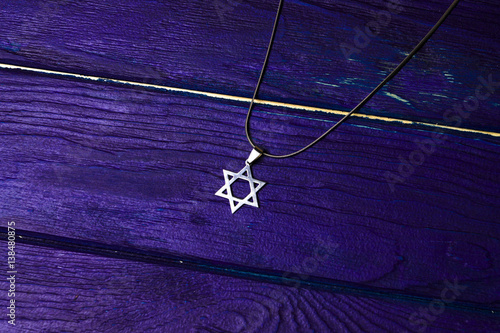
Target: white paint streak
<point x="396" y="97"/>
<point x="327" y="84"/>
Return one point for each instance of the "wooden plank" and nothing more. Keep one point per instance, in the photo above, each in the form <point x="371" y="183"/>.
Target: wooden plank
<point x="62" y="291"/>
<point x="219" y="46"/>
<point x="140" y="169"/>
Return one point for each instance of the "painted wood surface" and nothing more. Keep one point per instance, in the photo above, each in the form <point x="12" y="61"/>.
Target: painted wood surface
<point x="62" y="291"/>
<point x="399" y="207"/>
<point x="219" y="46"/>
<point x="140" y="168"/>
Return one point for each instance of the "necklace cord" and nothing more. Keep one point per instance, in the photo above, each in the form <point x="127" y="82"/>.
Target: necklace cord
<point x="357" y="107"/>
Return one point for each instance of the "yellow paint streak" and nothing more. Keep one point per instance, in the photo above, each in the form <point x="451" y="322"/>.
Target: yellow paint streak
<point x="245" y="99"/>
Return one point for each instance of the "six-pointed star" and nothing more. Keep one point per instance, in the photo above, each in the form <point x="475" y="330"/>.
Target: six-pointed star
<point x="231" y="177"/>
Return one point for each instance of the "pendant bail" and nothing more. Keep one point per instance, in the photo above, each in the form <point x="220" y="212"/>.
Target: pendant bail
<point x="254" y="155"/>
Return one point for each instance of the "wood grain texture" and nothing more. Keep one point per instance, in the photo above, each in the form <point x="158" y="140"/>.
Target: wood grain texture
<point x="140" y="168"/>
<point x="61" y="291"/>
<point x="219" y="46"/>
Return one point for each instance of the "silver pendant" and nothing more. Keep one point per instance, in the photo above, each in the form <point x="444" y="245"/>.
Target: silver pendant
<point x="245" y="174"/>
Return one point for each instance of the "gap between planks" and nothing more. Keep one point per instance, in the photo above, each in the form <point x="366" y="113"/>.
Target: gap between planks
<point x="236" y="271"/>
<point x="242" y="99"/>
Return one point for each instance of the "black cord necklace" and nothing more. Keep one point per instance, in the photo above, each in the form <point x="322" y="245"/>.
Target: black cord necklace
<point x="246" y="173"/>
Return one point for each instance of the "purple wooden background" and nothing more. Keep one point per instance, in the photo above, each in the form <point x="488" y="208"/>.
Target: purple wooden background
<point x="99" y="294"/>
<point x="105" y="168"/>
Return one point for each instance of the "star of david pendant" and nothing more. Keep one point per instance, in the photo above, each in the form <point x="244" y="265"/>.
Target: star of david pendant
<point x="245" y="174"/>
